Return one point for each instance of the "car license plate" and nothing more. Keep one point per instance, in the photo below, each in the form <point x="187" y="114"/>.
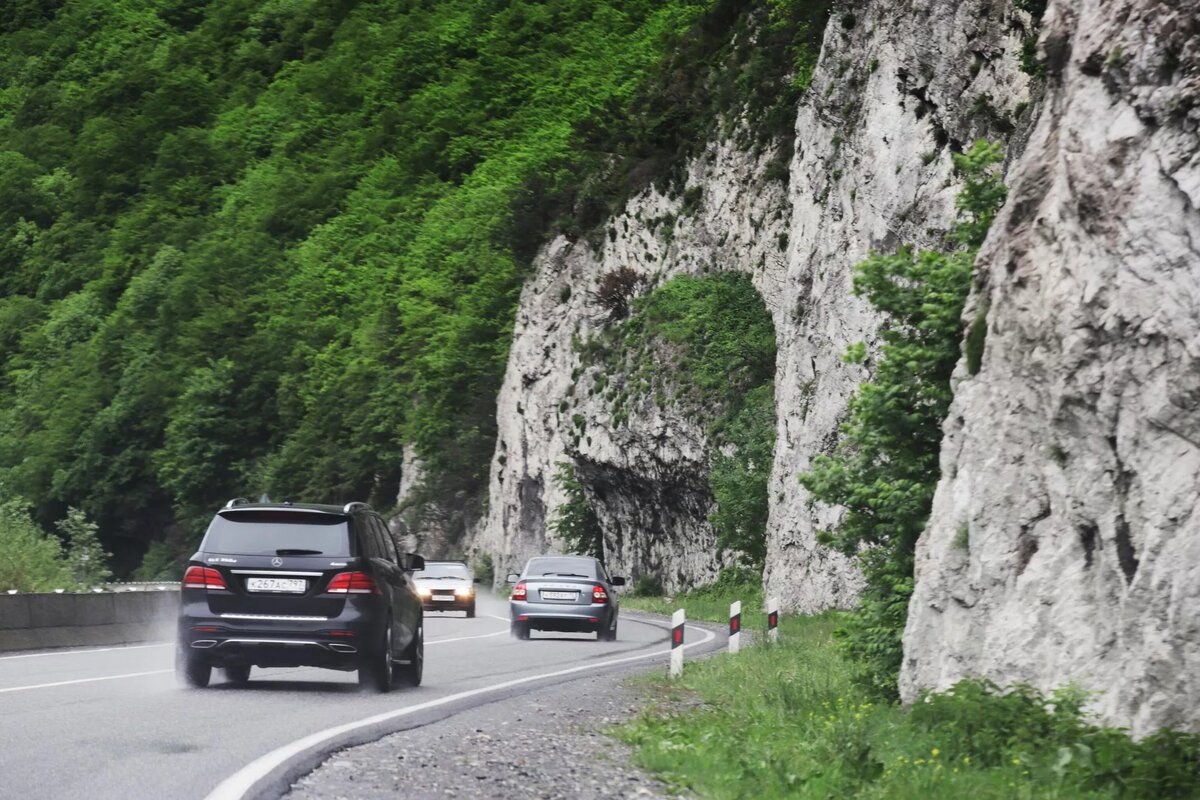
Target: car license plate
<point x="443" y="597"/>
<point x="293" y="585"/>
<point x="559" y="595"/>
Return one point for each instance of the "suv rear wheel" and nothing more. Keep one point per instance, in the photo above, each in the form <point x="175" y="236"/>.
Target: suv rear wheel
<point x="375" y="672"/>
<point x="410" y="674"/>
<point x="191" y="668"/>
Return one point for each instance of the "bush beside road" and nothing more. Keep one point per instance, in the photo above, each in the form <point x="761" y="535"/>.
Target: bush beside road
<point x="787" y="720"/>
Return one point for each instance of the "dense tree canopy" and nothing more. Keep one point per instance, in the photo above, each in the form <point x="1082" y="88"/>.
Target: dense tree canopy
<point x="260" y="245"/>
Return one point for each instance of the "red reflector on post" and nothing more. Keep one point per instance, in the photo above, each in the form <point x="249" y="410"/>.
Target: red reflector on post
<point x="773" y="619"/>
<point x="676" y="636"/>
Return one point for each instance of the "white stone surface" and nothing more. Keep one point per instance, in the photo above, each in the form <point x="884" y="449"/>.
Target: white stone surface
<point x="647" y="480"/>
<point x="1064" y="544"/>
<point x="892" y="95"/>
<point x="872" y="171"/>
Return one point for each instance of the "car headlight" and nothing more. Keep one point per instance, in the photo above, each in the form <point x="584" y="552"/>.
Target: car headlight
<point x="423" y="591"/>
<point x="465" y="591"/>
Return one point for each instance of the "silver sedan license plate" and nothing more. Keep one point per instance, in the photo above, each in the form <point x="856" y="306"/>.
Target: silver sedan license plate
<point x="559" y="595"/>
<point x="293" y="585"/>
<point x="444" y="597"/>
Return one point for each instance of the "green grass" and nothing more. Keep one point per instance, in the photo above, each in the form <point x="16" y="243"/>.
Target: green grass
<point x="786" y="720"/>
<point x="711" y="603"/>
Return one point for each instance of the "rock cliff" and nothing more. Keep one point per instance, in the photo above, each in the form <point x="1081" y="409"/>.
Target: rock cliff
<point x="892" y="95"/>
<point x="1065" y="539"/>
<point x="646" y="479"/>
<point x="895" y="92"/>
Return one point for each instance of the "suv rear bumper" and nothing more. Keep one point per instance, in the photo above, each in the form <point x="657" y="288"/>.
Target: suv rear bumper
<point x="280" y="640"/>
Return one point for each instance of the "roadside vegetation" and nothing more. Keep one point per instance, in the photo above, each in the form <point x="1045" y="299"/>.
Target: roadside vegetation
<point x="817" y="714"/>
<point x="703" y="347"/>
<point x="885" y="469"/>
<point x="33" y="560"/>
<point x="791" y="720"/>
<point x="268" y="246"/>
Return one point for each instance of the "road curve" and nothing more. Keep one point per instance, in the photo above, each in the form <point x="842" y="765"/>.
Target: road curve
<point x="112" y="722"/>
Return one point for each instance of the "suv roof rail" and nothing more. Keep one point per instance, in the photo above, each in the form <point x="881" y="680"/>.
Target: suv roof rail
<point x="351" y="507"/>
<point x="237" y="501"/>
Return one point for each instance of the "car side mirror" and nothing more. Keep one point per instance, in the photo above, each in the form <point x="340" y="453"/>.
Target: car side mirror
<point x="512" y="577"/>
<point x="618" y="581"/>
<point x="413" y="562"/>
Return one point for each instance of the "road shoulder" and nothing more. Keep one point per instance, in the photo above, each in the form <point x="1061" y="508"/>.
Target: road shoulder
<point x="546" y="744"/>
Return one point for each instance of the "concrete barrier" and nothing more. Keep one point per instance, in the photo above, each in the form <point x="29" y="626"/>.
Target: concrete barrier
<point x="36" y="621"/>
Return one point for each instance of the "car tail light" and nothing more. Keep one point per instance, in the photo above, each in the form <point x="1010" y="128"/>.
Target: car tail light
<point x="598" y="594"/>
<point x="519" y="592"/>
<point x="203" y="578"/>
<point x="352" y="583"/>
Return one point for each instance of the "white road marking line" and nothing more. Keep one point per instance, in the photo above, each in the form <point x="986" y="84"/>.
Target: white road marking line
<point x="86" y="680"/>
<point x="464" y="638"/>
<point x="84" y="652"/>
<point x="239" y="783"/>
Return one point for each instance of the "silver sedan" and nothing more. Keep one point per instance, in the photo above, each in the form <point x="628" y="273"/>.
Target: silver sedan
<point x="564" y="593"/>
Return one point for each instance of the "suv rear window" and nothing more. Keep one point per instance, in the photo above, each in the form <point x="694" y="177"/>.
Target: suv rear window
<point x="256" y="533"/>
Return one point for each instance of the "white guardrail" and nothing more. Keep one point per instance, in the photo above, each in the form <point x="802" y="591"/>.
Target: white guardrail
<point x="113" y="614"/>
<point x="126" y="586"/>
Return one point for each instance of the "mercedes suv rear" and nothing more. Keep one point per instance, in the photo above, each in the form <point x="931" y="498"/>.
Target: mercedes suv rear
<point x="290" y="585"/>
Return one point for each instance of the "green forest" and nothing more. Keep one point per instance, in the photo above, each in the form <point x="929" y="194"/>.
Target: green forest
<point x="256" y="246"/>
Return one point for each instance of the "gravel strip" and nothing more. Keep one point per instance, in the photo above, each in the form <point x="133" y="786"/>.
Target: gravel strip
<point x="546" y="744"/>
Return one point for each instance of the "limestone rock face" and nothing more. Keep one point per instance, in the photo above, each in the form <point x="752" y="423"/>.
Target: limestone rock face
<point x="894" y="93"/>
<point x="1064" y="544"/>
<point x="892" y="96"/>
<point x="645" y="478"/>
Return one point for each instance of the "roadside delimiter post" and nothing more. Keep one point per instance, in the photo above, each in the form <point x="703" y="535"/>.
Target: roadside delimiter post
<point x="735" y="626"/>
<point x="677" y="622"/>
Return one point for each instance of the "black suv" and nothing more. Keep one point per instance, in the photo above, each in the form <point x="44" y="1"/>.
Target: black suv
<point x="290" y="585"/>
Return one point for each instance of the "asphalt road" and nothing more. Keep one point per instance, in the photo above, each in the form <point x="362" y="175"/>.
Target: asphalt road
<point x="113" y="723"/>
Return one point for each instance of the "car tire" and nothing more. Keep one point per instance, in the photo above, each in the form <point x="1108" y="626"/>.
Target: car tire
<point x="192" y="669"/>
<point x="410" y="674"/>
<point x="239" y="674"/>
<point x="375" y="671"/>
<point x="471" y="611"/>
<point x="520" y="630"/>
<point x="609" y="635"/>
